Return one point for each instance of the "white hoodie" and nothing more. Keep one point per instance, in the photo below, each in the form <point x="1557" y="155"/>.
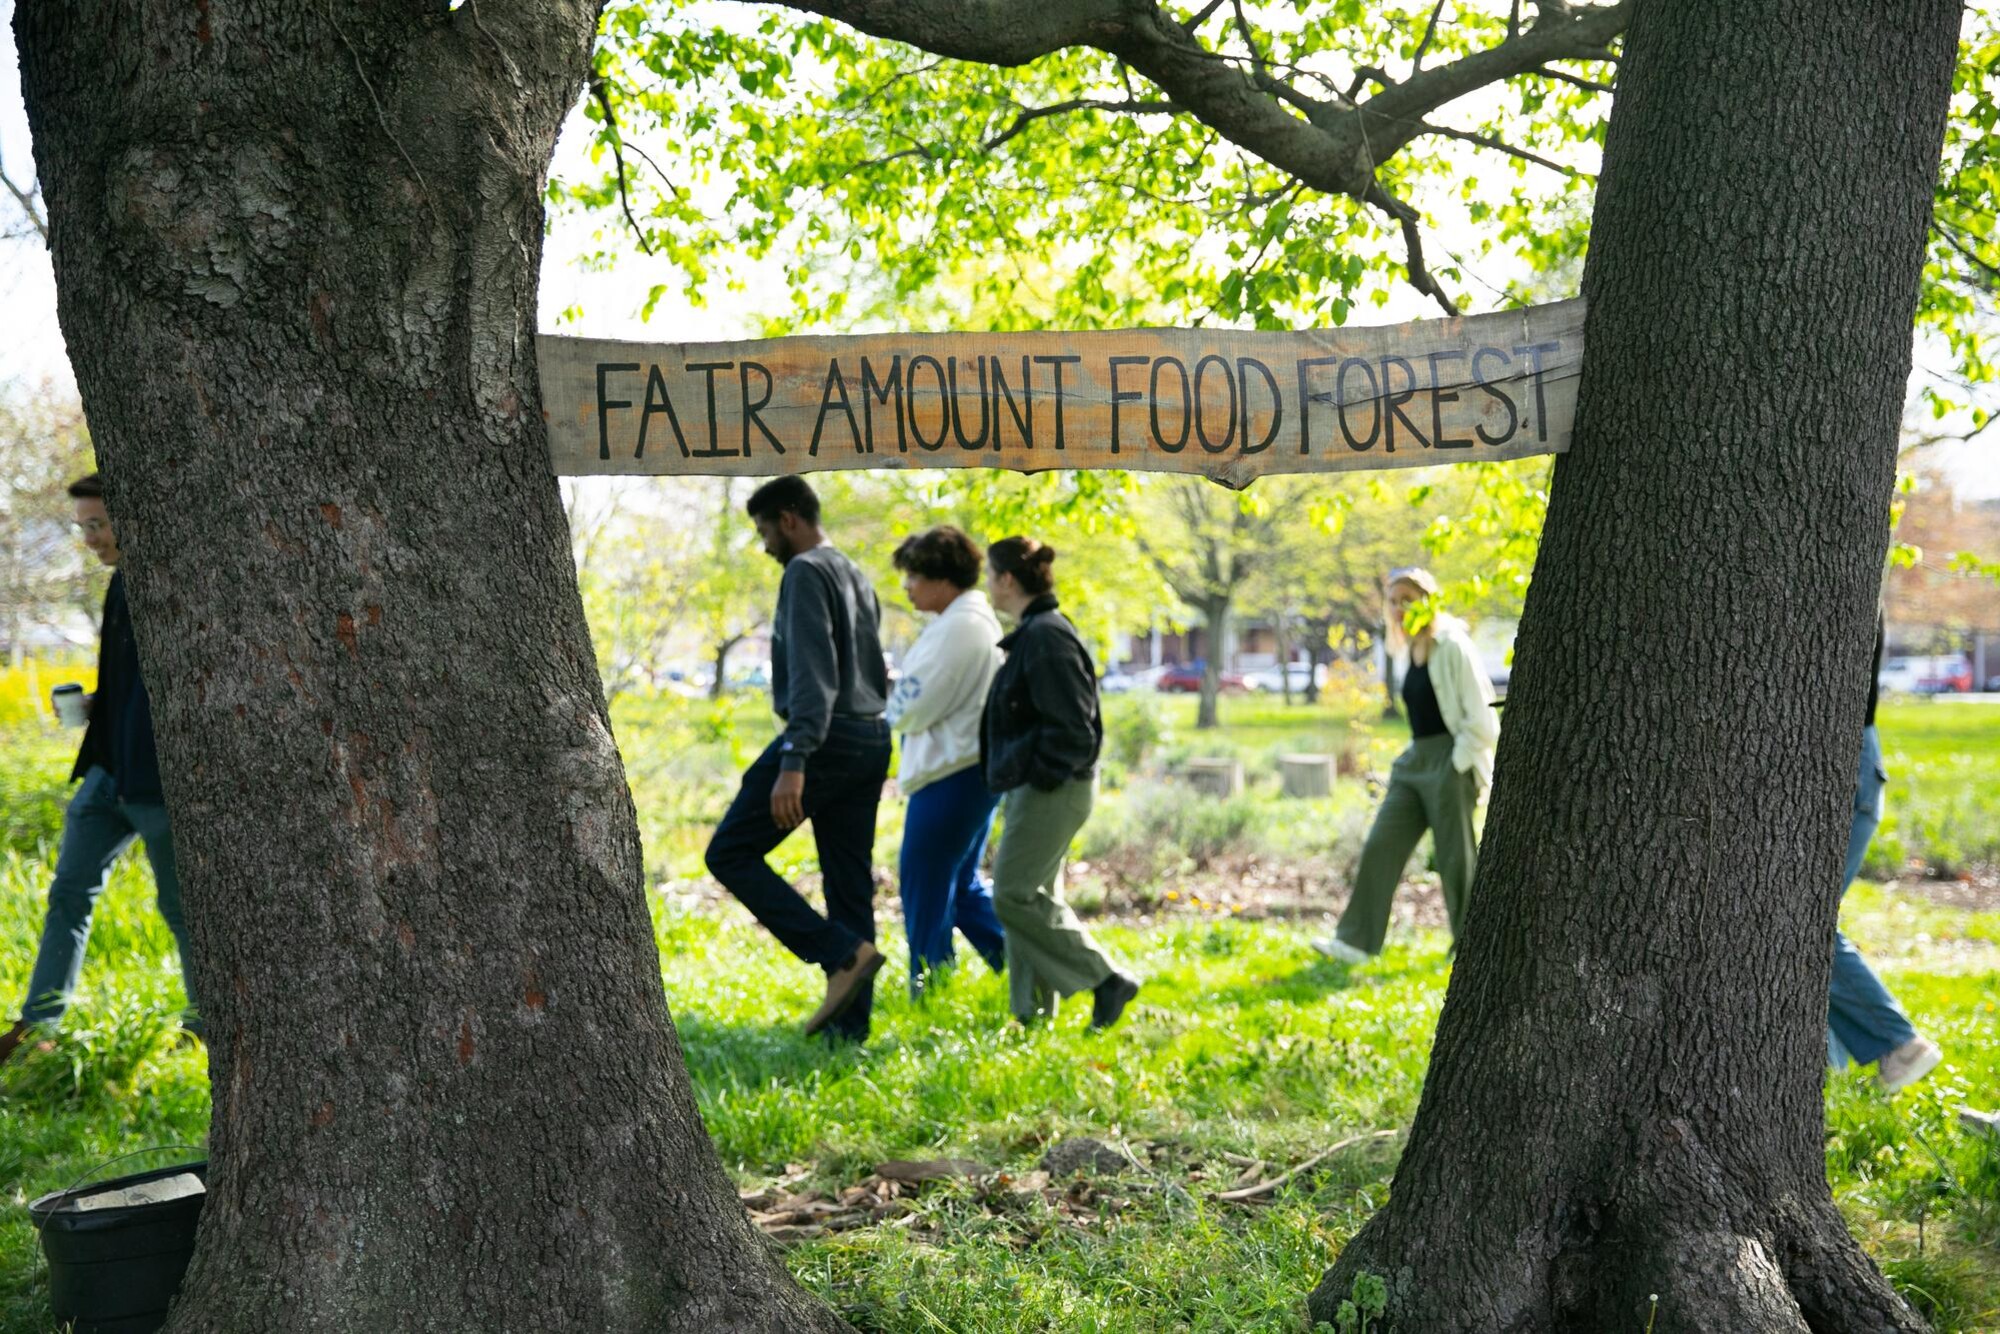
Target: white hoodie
<point x="938" y="700"/>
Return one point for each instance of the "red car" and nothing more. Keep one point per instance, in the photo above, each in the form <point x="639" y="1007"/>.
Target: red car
<point x="1185" y="679"/>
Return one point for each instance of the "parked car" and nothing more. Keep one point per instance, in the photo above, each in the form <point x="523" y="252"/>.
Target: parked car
<point x="1185" y="679"/>
<point x="1272" y="680"/>
<point x="1936" y="674"/>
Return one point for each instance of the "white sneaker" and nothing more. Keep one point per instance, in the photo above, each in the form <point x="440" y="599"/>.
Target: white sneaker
<point x="1338" y="950"/>
<point x="1975" y="1122"/>
<point x="1907" y="1064"/>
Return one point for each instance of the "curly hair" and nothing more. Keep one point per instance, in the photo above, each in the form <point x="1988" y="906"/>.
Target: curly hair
<point x="940" y="553"/>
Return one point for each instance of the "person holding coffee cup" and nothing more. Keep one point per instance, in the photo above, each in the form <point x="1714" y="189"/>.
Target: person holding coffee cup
<point x="119" y="801"/>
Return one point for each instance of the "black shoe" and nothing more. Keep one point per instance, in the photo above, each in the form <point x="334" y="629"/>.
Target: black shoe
<point x="1109" y="998"/>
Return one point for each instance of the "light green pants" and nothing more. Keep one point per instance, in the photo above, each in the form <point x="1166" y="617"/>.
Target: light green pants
<point x="1425" y="792"/>
<point x="1050" y="954"/>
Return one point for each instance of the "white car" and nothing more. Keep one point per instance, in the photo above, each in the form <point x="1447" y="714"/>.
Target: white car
<point x="1269" y="679"/>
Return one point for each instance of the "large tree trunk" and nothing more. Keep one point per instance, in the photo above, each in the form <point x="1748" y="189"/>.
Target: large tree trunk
<point x="1625" y="1094"/>
<point x="297" y="249"/>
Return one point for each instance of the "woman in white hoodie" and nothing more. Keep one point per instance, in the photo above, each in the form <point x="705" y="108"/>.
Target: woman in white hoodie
<point x="936" y="705"/>
<point x="1438" y="780"/>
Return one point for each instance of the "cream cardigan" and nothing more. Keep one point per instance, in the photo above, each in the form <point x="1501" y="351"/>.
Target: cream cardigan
<point x="1465" y="699"/>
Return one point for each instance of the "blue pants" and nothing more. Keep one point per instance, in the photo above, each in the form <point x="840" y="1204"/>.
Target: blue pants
<point x="97" y="828"/>
<point x="1863" y="1020"/>
<point x="944" y="838"/>
<point x="844" y="780"/>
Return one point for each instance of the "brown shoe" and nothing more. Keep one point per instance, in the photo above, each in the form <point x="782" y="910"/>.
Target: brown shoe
<point x="18" y="1036"/>
<point x="843" y="986"/>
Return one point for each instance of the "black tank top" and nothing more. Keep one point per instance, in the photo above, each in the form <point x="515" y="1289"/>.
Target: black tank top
<point x="1420" y="702"/>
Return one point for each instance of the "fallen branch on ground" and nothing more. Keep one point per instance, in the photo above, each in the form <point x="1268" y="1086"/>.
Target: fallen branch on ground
<point x="1268" y="1187"/>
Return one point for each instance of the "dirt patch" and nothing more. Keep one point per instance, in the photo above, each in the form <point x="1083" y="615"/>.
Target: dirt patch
<point x="1976" y="890"/>
<point x="1259" y="888"/>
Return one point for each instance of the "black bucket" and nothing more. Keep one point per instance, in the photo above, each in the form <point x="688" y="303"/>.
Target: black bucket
<point x="115" y="1269"/>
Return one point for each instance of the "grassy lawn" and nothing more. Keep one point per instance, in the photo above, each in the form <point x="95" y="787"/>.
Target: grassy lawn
<point x="1245" y="1056"/>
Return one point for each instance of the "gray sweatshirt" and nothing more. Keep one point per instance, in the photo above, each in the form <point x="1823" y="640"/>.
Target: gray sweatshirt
<point x="826" y="652"/>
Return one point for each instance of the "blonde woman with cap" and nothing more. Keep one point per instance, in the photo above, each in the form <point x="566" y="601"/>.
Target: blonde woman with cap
<point x="1437" y="780"/>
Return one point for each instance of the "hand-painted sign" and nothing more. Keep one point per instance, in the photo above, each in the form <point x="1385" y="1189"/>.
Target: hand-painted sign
<point x="1228" y="404"/>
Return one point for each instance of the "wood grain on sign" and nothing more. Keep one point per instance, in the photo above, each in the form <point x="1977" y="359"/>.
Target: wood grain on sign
<point x="1227" y="404"/>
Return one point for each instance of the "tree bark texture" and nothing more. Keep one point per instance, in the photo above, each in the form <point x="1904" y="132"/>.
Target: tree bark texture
<point x="1624" y="1098"/>
<point x="297" y="247"/>
<point x="1215" y="621"/>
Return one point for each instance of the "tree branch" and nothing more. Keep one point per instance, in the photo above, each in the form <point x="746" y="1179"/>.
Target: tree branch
<point x="1029" y="115"/>
<point x="603" y="96"/>
<point x="1430" y="31"/>
<point x="1577" y="80"/>
<point x="1580" y="32"/>
<point x="29" y="200"/>
<point x="1501" y="146"/>
<point x="1945" y="233"/>
<point x="1413" y="242"/>
<point x="1333" y="148"/>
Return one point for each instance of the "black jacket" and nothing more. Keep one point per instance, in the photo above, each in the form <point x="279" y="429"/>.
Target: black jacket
<point x="120" y="736"/>
<point x="1042" y="725"/>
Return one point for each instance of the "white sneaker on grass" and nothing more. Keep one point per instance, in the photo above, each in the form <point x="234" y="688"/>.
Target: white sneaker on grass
<point x="1907" y="1064"/>
<point x="1975" y="1122"/>
<point x="1338" y="950"/>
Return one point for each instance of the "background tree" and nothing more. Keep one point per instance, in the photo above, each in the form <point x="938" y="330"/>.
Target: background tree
<point x="1208" y="545"/>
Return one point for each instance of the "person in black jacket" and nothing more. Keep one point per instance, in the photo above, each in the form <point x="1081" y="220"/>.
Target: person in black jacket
<point x="829" y="684"/>
<point x="120" y="800"/>
<point x="1039" y="741"/>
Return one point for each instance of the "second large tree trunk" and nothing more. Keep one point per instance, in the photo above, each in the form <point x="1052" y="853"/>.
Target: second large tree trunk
<point x="1624" y="1099"/>
<point x="297" y="249"/>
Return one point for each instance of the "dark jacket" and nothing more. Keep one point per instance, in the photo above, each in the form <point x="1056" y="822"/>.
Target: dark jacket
<point x="1042" y="725"/>
<point x="119" y="738"/>
<point x="826" y="651"/>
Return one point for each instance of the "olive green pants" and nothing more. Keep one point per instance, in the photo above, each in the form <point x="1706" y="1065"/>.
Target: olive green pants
<point x="1425" y="792"/>
<point x="1050" y="954"/>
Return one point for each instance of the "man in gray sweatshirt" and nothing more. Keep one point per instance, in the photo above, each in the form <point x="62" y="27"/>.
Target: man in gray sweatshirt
<point x="829" y="684"/>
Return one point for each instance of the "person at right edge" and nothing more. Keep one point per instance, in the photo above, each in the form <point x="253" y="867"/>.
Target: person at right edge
<point x="1863" y="1020"/>
<point x="1438" y="779"/>
<point x="1039" y="743"/>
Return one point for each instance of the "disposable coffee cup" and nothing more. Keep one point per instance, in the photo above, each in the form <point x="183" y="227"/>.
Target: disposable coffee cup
<point x="69" y="704"/>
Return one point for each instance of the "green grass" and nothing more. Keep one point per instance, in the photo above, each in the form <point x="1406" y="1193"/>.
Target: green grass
<point x="1243" y="1044"/>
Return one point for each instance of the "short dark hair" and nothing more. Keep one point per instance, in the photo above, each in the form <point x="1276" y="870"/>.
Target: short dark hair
<point x="90" y="487"/>
<point x="940" y="553"/>
<point x="1027" y="560"/>
<point x="781" y="495"/>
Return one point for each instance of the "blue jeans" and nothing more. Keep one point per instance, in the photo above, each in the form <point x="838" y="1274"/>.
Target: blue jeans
<point x="97" y="828"/>
<point x="944" y="838"/>
<point x="1863" y="1020"/>
<point x="844" y="780"/>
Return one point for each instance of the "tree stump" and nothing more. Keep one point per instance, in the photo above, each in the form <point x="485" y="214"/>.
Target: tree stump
<point x="1306" y="775"/>
<point x="1214" y="776"/>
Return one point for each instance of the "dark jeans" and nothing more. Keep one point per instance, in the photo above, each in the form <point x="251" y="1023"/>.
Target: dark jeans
<point x="98" y="827"/>
<point x="844" y="780"/>
<point x="944" y="837"/>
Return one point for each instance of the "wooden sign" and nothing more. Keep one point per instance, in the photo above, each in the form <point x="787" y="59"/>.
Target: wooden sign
<point x="1227" y="404"/>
